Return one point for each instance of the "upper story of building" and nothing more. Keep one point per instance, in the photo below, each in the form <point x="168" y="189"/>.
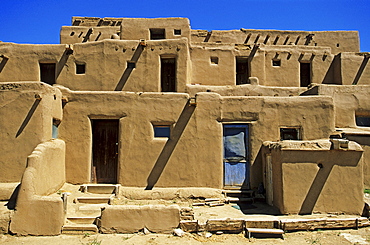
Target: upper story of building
<point x="165" y="55"/>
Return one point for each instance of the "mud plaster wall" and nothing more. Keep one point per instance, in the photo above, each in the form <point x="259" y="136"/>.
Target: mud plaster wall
<point x="348" y="101"/>
<point x="288" y="73"/>
<point x="307" y="188"/>
<point x="106" y="64"/>
<point x="193" y="156"/>
<point x="80" y="34"/>
<point x="337" y="41"/>
<point x="25" y="121"/>
<point x="138" y="28"/>
<point x="355" y="68"/>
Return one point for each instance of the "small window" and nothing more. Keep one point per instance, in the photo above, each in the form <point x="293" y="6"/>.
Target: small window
<point x="177" y="32"/>
<point x="80" y="68"/>
<point x="131" y="64"/>
<point x="363" y="121"/>
<point x="276" y="62"/>
<point x="156" y="34"/>
<point x="214" y="60"/>
<point x="162" y="131"/>
<point x="289" y="133"/>
<point x="54" y="133"/>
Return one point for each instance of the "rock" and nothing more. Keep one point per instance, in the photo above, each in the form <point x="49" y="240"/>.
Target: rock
<point x="178" y="232"/>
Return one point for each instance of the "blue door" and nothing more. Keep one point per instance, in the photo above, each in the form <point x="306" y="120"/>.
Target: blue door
<point x="236" y="164"/>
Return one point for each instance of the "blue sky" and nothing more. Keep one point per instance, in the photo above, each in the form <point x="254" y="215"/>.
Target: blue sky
<point x="39" y="21"/>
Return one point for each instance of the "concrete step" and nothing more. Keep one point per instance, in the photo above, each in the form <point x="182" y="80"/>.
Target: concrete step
<point x="94" y="200"/>
<point x="81" y="220"/>
<point x="100" y="188"/>
<point x="77" y="229"/>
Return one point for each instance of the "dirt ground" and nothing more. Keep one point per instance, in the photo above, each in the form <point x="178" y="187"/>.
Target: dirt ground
<point x="349" y="236"/>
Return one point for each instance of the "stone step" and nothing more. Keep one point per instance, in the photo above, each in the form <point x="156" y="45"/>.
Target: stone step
<point x="239" y="199"/>
<point x="100" y="188"/>
<point x="239" y="191"/>
<point x="263" y="231"/>
<point x="77" y="229"/>
<point x="94" y="200"/>
<point x="81" y="220"/>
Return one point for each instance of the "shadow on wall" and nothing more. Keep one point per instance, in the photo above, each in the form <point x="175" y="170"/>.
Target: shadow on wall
<point x="13" y="198"/>
<point x="361" y="69"/>
<point x="29" y="115"/>
<point x="63" y="61"/>
<point x="347" y="158"/>
<point x="130" y="66"/>
<point x="170" y="145"/>
<point x="330" y="74"/>
<point x="3" y="62"/>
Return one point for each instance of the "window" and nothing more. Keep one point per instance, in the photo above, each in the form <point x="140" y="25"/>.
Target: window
<point x="177" y="32"/>
<point x="47" y="73"/>
<point x="276" y="62"/>
<point x="156" y="34"/>
<point x="80" y="68"/>
<point x="214" y="60"/>
<point x="131" y="64"/>
<point x="363" y="121"/>
<point x="162" y="131"/>
<point x="290" y="133"/>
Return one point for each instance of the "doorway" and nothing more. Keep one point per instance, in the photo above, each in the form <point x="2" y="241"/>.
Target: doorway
<point x="305" y="74"/>
<point x="242" y="70"/>
<point x="105" y="150"/>
<point x="236" y="160"/>
<point x="168" y="74"/>
<point x="47" y="73"/>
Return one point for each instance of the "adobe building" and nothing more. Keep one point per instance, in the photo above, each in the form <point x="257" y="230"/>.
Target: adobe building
<point x="151" y="103"/>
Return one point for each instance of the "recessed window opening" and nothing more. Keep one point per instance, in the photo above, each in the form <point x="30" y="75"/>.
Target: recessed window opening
<point x="214" y="60"/>
<point x="80" y="68"/>
<point x="290" y="133"/>
<point x="305" y="74"/>
<point x="363" y="120"/>
<point x="131" y="64"/>
<point x="72" y="33"/>
<point x="276" y="62"/>
<point x="157" y="33"/>
<point x="162" y="131"/>
<point x="242" y="70"/>
<point x="54" y="133"/>
<point x="177" y="32"/>
<point x="47" y="73"/>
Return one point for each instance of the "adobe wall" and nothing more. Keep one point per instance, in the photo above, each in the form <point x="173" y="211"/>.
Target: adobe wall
<point x="106" y="64"/>
<point x="316" y="179"/>
<point x="355" y="68"/>
<point x="337" y="41"/>
<point x="36" y="212"/>
<point x="196" y="134"/>
<point x="348" y="101"/>
<point x="82" y="34"/>
<point x="138" y="28"/>
<point x="27" y="110"/>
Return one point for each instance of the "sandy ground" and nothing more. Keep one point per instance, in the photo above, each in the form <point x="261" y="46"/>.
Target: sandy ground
<point x="348" y="236"/>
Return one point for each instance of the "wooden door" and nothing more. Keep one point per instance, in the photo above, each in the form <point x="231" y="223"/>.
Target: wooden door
<point x="236" y="162"/>
<point x="168" y="74"/>
<point x="105" y="150"/>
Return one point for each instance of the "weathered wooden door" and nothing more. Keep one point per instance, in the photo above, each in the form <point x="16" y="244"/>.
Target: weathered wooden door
<point x="105" y="150"/>
<point x="168" y="74"/>
<point x="236" y="164"/>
